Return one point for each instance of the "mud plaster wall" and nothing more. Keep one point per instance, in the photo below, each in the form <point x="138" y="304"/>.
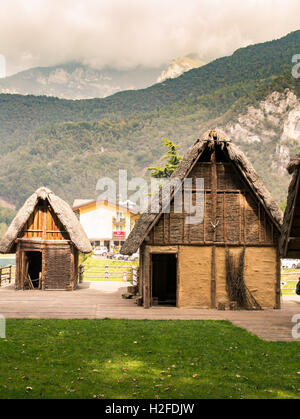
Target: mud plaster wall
<point x="194" y="265"/>
<point x="260" y="274"/>
<point x="194" y="275"/>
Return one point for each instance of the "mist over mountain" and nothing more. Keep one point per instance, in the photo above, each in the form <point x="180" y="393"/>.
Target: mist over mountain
<point x="77" y="81"/>
<point x="178" y="67"/>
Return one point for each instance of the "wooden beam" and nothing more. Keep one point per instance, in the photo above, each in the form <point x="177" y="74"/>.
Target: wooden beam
<point x="278" y="280"/>
<point x="214" y="191"/>
<point x="147" y="279"/>
<point x="224" y="218"/>
<point x="213" y="278"/>
<point x="214" y="182"/>
<point x="259" y="222"/>
<point x="292" y="214"/>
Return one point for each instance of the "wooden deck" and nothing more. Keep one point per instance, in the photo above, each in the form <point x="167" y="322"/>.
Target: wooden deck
<point x="98" y="300"/>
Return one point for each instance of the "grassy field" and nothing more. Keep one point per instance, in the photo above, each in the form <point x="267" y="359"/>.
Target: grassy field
<point x="289" y="279"/>
<point x="143" y="359"/>
<point x="95" y="269"/>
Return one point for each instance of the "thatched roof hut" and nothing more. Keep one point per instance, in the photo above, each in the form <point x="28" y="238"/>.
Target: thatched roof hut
<point x="290" y="232"/>
<point x="208" y="141"/>
<point x="46" y="236"/>
<point x="239" y="213"/>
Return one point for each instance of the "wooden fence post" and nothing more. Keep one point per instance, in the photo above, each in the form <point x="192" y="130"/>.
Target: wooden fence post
<point x="81" y="272"/>
<point x="106" y="273"/>
<point x="134" y="275"/>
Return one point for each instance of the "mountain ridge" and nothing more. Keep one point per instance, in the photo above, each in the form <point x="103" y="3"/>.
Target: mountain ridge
<point x="68" y="145"/>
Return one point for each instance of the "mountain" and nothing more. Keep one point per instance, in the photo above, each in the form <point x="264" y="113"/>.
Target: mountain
<point x="178" y="67"/>
<point x="68" y="145"/>
<point x="270" y="131"/>
<point x="77" y="81"/>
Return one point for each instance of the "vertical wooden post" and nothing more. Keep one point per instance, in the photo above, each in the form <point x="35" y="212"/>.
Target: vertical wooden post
<point x="81" y="272"/>
<point x="259" y="222"/>
<point x="224" y="218"/>
<point x="214" y="191"/>
<point x="214" y="221"/>
<point x="141" y="270"/>
<point x="134" y="275"/>
<point x="278" y="284"/>
<point x="147" y="279"/>
<point x="44" y="266"/>
<point x="213" y="277"/>
<point x="204" y="218"/>
<point x="244" y="217"/>
<point x="18" y="268"/>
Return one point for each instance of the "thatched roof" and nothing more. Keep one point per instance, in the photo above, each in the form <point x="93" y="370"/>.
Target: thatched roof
<point x="63" y="212"/>
<point x="208" y="141"/>
<point x="294" y="169"/>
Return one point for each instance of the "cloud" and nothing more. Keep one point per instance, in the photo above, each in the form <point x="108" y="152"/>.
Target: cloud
<point x="127" y="33"/>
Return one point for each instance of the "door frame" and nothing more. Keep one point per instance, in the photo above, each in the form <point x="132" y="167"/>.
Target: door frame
<point x="148" y="273"/>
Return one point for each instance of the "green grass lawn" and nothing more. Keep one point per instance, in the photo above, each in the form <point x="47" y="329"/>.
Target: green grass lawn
<point x="143" y="359"/>
<point x="95" y="269"/>
<point x="289" y="282"/>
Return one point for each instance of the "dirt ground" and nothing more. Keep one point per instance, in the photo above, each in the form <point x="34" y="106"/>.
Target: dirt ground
<point x="98" y="300"/>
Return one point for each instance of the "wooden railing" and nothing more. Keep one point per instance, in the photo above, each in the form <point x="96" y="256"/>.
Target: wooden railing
<point x="6" y="274"/>
<point x="108" y="273"/>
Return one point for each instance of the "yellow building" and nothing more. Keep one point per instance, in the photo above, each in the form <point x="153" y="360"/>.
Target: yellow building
<point x="105" y="223"/>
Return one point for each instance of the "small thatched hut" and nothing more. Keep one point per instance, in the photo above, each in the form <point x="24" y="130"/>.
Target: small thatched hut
<point x="231" y="258"/>
<point x="290" y="237"/>
<point x="47" y="237"/>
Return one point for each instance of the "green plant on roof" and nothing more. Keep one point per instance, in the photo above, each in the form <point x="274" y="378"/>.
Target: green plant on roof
<point x="173" y="160"/>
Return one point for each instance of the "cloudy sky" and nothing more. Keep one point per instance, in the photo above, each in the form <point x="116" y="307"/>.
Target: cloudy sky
<point x="127" y="33"/>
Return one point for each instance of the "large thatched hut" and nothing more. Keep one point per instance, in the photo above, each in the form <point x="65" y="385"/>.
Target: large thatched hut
<point x="231" y="258"/>
<point x="46" y="237"/>
<point x="290" y="237"/>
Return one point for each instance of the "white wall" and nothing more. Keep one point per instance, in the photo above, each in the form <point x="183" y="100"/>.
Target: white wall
<point x="98" y="223"/>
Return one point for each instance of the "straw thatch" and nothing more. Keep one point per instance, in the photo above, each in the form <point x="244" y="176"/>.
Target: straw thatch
<point x="294" y="169"/>
<point x="63" y="212"/>
<point x="208" y="140"/>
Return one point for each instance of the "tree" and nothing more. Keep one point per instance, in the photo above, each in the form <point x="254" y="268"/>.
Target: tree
<point x="282" y="206"/>
<point x="173" y="160"/>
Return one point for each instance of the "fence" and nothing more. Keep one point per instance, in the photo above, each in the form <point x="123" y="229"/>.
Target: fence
<point x="289" y="282"/>
<point x="6" y="274"/>
<point x="108" y="273"/>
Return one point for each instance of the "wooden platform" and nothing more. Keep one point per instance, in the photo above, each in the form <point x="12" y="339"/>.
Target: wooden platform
<point x="98" y="300"/>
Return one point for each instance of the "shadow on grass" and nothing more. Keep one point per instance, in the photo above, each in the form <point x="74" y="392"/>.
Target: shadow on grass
<point x="143" y="359"/>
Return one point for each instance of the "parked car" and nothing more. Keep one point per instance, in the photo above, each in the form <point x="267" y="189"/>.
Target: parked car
<point x="100" y="251"/>
<point x="118" y="256"/>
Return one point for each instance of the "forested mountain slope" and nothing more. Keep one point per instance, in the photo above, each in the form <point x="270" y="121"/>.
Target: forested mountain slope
<point x="68" y="145"/>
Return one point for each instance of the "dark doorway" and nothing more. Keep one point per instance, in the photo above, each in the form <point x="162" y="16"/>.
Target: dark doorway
<point x="164" y="279"/>
<point x="33" y="267"/>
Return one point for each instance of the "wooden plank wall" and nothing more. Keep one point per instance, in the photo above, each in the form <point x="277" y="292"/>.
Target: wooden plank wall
<point x="43" y="223"/>
<point x="240" y="216"/>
